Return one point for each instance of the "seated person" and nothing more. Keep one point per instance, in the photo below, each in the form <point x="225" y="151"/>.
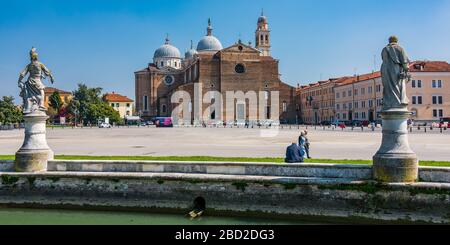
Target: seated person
<point x="294" y="154"/>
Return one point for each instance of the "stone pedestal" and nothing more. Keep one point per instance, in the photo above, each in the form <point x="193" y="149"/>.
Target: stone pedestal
<point x="34" y="153"/>
<point x="395" y="161"/>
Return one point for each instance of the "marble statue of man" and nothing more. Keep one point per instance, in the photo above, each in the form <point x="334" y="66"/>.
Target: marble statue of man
<point x="32" y="90"/>
<point x="395" y="75"/>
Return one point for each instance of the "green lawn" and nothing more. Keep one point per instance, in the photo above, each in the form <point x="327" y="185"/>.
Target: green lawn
<point x="221" y="159"/>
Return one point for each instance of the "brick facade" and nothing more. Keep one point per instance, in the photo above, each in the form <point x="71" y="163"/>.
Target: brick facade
<point x="239" y="67"/>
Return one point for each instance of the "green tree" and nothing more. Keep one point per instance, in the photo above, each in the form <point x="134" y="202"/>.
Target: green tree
<point x="9" y="113"/>
<point x="55" y="101"/>
<point x="88" y="106"/>
<point x="55" y="105"/>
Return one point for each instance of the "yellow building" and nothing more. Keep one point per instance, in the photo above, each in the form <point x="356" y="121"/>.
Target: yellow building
<point x="316" y="101"/>
<point x="65" y="96"/>
<point x="120" y="103"/>
<point x="360" y="97"/>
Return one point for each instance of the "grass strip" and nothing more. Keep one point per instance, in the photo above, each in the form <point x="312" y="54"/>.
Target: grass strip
<point x="221" y="159"/>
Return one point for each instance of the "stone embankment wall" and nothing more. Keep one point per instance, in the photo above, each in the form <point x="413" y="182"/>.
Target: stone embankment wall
<point x="316" y="190"/>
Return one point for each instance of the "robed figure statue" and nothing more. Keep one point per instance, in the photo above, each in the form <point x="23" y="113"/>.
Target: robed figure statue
<point x="32" y="90"/>
<point x="395" y="75"/>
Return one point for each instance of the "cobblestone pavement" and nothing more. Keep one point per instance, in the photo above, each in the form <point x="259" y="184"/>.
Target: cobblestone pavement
<point x="238" y="142"/>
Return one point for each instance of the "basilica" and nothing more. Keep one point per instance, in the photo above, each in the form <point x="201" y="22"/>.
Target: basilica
<point x="211" y="67"/>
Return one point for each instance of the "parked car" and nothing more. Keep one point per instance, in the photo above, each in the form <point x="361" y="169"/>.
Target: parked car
<point x="149" y="123"/>
<point x="325" y="123"/>
<point x="104" y="125"/>
<point x="283" y="121"/>
<point x="163" y="122"/>
<point x="341" y="124"/>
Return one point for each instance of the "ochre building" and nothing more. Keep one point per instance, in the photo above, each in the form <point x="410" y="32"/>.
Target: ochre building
<point x="65" y="96"/>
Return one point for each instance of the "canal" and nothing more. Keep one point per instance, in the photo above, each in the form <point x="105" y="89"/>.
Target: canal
<point x="22" y="216"/>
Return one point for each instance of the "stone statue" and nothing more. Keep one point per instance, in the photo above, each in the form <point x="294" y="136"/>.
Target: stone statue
<point x="395" y="75"/>
<point x="32" y="91"/>
<point x="35" y="152"/>
<point x="395" y="161"/>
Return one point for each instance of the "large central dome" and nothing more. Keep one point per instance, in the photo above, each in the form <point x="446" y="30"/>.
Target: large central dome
<point x="209" y="42"/>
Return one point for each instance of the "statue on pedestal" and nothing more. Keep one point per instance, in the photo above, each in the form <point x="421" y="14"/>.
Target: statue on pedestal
<point x="34" y="153"/>
<point x="395" y="75"/>
<point x="32" y="91"/>
<point x="395" y="161"/>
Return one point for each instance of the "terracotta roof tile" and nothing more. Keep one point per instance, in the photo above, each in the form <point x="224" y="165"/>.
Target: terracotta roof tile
<point x="113" y="97"/>
<point x="429" y="66"/>
<point x="364" y="77"/>
<point x="51" y="90"/>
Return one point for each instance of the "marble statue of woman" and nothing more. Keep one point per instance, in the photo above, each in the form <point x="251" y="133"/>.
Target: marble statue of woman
<point x="32" y="90"/>
<point x="395" y="75"/>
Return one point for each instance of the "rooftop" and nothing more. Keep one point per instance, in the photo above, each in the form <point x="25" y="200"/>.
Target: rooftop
<point x="429" y="66"/>
<point x="113" y="97"/>
<point x="51" y="90"/>
<point x="358" y="78"/>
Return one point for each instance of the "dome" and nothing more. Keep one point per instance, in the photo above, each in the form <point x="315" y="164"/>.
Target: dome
<point x="209" y="43"/>
<point x="191" y="52"/>
<point x="262" y="19"/>
<point x="167" y="51"/>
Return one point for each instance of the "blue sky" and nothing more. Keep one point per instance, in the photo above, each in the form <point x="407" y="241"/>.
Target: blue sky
<point x="102" y="42"/>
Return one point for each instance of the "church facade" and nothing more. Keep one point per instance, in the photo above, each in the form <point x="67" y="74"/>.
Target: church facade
<point x="222" y="84"/>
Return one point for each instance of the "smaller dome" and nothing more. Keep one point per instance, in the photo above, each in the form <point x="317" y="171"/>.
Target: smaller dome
<point x="191" y="52"/>
<point x="167" y="51"/>
<point x="262" y="19"/>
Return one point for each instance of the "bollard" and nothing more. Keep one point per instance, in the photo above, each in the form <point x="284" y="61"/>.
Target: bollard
<point x="425" y="129"/>
<point x="441" y="130"/>
<point x="410" y="129"/>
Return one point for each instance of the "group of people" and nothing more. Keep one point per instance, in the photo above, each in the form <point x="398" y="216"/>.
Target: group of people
<point x="298" y="151"/>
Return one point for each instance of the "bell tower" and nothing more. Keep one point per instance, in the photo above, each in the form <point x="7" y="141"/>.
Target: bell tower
<point x="262" y="36"/>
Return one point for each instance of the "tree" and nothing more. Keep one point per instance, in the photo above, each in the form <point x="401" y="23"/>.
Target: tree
<point x="55" y="101"/>
<point x="55" y="105"/>
<point x="9" y="113"/>
<point x="88" y="106"/>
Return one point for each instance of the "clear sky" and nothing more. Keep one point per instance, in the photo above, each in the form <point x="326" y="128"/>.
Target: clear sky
<point x="102" y="42"/>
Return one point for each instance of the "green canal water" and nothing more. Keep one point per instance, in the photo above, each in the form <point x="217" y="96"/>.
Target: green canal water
<point x="20" y="216"/>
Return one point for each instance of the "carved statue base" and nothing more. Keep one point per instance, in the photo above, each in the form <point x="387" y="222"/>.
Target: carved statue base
<point x="34" y="153"/>
<point x="395" y="161"/>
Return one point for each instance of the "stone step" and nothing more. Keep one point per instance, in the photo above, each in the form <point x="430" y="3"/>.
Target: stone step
<point x="189" y="177"/>
<point x="360" y="172"/>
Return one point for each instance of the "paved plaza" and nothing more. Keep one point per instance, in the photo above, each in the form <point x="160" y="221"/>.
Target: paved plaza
<point x="227" y="142"/>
